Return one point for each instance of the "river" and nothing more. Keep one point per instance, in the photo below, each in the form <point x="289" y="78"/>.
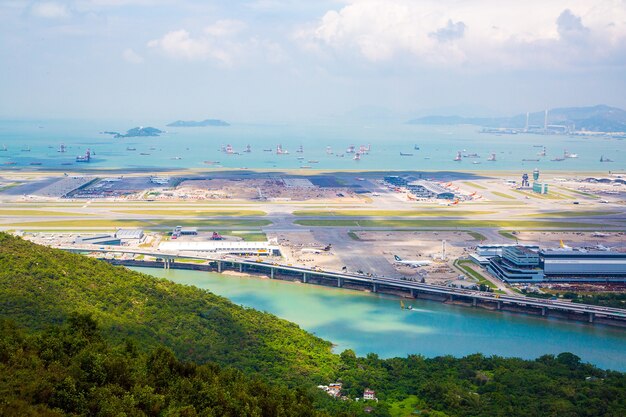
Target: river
<point x="367" y="322"/>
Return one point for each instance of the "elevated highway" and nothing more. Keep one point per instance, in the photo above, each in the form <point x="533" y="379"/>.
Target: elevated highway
<point x="214" y="262"/>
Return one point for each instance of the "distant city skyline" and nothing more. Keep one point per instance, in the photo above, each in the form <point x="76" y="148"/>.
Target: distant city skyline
<point x="284" y="61"/>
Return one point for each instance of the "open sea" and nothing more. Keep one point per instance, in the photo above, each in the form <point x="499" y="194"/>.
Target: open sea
<point x="32" y="145"/>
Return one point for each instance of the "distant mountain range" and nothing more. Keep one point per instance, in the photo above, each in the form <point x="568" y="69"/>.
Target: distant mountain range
<point x="201" y="123"/>
<point x="600" y="118"/>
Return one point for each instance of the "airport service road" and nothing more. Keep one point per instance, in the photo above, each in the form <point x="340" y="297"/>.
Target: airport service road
<point x="355" y="257"/>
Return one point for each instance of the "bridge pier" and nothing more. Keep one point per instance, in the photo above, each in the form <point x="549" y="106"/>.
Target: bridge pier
<point x="591" y="317"/>
<point x="339" y="282"/>
<point x="272" y="273"/>
<point x="499" y="305"/>
<point x="543" y="311"/>
<point x="474" y="301"/>
<point x="240" y="267"/>
<point x="304" y="277"/>
<point x="219" y="266"/>
<point x="374" y="287"/>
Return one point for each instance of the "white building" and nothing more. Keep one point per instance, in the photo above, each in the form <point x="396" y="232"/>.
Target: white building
<point x="369" y="394"/>
<point x="129" y="234"/>
<point x="222" y="247"/>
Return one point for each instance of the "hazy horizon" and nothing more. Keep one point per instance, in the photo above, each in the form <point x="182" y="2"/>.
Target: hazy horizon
<point x="282" y="61"/>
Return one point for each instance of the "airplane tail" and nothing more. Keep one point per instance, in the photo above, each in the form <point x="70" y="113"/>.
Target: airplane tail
<point x="562" y="244"/>
<point x="397" y="258"/>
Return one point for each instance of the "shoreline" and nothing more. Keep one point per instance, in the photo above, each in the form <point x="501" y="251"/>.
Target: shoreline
<point x="514" y="309"/>
<point x="291" y="171"/>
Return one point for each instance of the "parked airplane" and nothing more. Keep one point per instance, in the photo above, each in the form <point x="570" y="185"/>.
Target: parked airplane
<point x="413" y="263"/>
<point x="317" y="250"/>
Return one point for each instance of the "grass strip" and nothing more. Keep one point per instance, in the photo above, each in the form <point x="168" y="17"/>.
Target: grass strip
<point x="566" y="214"/>
<point x="145" y="223"/>
<point x="463" y="265"/>
<point x="507" y="234"/>
<point x="473" y="184"/>
<point x="390" y="213"/>
<point x="39" y="213"/>
<point x="477" y="236"/>
<point x="196" y="213"/>
<point x="499" y="194"/>
<point x="444" y="223"/>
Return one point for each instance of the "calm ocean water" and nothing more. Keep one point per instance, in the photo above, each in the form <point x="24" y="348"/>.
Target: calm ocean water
<point x="375" y="323"/>
<point x="37" y="143"/>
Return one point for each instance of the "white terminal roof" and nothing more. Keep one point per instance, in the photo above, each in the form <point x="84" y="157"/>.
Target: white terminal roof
<point x="129" y="234"/>
<point x="430" y="186"/>
<point x="221" y="246"/>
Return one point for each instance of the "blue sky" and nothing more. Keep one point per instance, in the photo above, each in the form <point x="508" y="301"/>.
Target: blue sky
<point x="272" y="60"/>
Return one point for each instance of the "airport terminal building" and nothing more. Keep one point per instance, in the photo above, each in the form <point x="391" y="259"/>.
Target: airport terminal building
<point x="526" y="264"/>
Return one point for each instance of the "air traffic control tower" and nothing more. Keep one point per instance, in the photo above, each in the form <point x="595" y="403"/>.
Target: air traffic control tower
<point x="538" y="186"/>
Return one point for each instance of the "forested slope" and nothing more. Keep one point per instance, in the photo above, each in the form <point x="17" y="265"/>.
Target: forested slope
<point x="40" y="287"/>
<point x="60" y="363"/>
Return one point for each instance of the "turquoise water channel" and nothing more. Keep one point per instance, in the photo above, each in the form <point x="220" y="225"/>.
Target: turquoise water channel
<point x="367" y="322"/>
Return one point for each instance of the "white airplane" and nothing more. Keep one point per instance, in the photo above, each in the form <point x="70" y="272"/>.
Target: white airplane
<point x="413" y="263"/>
<point x="312" y="250"/>
<point x="317" y="250"/>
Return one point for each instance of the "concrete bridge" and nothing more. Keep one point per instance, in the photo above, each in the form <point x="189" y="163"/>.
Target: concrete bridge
<point x="403" y="288"/>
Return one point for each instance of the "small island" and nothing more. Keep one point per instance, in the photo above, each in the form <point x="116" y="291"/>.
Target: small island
<point x="201" y="123"/>
<point x="136" y="132"/>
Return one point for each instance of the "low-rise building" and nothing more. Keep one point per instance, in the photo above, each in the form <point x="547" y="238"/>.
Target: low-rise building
<point x="223" y="247"/>
<point x="369" y="394"/>
<point x="129" y="234"/>
<point x="396" y="180"/>
<point x="523" y="264"/>
<point x="540" y="187"/>
<point x="98" y="240"/>
<point x="581" y="265"/>
<point x="334" y="389"/>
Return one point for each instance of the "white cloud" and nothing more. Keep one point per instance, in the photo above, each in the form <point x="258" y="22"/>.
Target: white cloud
<point x="132" y="56"/>
<point x="50" y="10"/>
<point x="448" y="32"/>
<point x="220" y="42"/>
<point x="227" y="27"/>
<point x="180" y="44"/>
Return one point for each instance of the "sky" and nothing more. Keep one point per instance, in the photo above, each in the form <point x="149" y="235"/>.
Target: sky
<point x="290" y="61"/>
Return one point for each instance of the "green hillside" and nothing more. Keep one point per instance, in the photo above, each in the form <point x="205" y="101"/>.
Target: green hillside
<point x="72" y="370"/>
<point x="91" y="339"/>
<point x="40" y="287"/>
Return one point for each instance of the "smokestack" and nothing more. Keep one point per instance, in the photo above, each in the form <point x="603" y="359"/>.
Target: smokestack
<point x="545" y="121"/>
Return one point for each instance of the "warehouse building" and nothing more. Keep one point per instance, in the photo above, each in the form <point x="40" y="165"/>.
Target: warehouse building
<point x="523" y="264"/>
<point x="129" y="234"/>
<point x="584" y="265"/>
<point x="98" y="240"/>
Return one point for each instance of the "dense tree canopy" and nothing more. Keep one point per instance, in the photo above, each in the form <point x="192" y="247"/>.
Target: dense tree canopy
<point x="86" y="338"/>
